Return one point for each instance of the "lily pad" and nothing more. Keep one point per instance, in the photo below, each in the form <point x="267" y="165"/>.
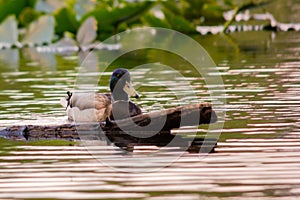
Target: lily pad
<point x="9" y="32"/>
<point x="40" y="31"/>
<point x="64" y="45"/>
<point x="87" y="32"/>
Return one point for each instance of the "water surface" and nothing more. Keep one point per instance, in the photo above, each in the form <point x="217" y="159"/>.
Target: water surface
<point x="258" y="150"/>
<point x="259" y="74"/>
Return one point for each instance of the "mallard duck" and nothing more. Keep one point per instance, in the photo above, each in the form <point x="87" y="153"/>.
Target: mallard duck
<point x="91" y="107"/>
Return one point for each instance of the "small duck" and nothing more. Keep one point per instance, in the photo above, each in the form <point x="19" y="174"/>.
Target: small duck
<point x="92" y="107"/>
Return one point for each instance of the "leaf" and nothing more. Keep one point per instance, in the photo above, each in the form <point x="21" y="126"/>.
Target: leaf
<point x="50" y="6"/>
<point x="131" y="11"/>
<point x="178" y="23"/>
<point x="40" y="31"/>
<point x="213" y="11"/>
<point x="110" y="18"/>
<point x="87" y="32"/>
<point x="65" y="21"/>
<point x="229" y="22"/>
<point x="27" y="16"/>
<point x="9" y="7"/>
<point x="172" y="6"/>
<point x="64" y="46"/>
<point x="193" y="10"/>
<point x="253" y="5"/>
<point x="103" y="16"/>
<point x="154" y="21"/>
<point x="83" y="7"/>
<point x="31" y="3"/>
<point x="9" y="31"/>
<point x="229" y="3"/>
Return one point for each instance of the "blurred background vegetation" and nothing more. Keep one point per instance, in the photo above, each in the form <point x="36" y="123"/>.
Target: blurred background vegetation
<point x="113" y="16"/>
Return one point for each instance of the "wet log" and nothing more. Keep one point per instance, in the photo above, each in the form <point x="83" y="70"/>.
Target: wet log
<point x="159" y="121"/>
<point x="35" y="132"/>
<point x="146" y="129"/>
<point x="166" y="120"/>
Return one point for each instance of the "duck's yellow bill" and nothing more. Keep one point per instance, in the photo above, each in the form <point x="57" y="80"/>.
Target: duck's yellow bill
<point x="128" y="88"/>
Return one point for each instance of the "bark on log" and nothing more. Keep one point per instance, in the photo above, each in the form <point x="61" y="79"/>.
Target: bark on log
<point x="171" y="118"/>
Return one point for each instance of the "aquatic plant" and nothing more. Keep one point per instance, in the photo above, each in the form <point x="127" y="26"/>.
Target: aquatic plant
<point x="79" y="24"/>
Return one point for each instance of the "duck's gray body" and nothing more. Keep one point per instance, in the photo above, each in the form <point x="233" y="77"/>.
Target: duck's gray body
<point x="89" y="107"/>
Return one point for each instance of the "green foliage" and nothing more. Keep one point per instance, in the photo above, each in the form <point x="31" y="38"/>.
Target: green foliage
<point x="213" y="12"/>
<point x="173" y="7"/>
<point x="111" y="17"/>
<point x="8" y="7"/>
<point x="27" y="16"/>
<point x="65" y="21"/>
<point x="179" y="23"/>
<point x="243" y="7"/>
<point x="193" y="10"/>
<point x="154" y="21"/>
<point x="185" y="15"/>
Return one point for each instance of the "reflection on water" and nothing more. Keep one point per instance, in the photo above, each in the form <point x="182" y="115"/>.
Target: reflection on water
<point x="260" y="78"/>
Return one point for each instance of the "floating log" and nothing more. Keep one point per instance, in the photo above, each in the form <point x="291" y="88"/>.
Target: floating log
<point x="146" y="129"/>
<point x="166" y="120"/>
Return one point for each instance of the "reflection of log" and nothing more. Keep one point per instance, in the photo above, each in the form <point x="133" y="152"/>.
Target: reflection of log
<point x="143" y="126"/>
<point x="163" y="139"/>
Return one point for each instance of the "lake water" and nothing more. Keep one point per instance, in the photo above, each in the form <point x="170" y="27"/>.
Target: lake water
<point x="259" y="73"/>
<point x="259" y="140"/>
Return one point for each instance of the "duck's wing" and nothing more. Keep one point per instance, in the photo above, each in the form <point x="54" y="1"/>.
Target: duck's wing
<point x="88" y="115"/>
<point x="124" y="109"/>
<point x="89" y="107"/>
<point x="90" y="100"/>
<point x="134" y="109"/>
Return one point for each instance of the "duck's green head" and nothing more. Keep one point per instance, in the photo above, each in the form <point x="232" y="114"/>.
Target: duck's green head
<point x="121" y="86"/>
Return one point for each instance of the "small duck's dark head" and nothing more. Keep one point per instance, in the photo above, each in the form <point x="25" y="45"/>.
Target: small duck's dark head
<point x="121" y="86"/>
